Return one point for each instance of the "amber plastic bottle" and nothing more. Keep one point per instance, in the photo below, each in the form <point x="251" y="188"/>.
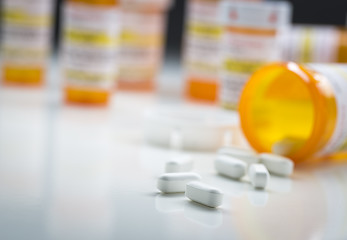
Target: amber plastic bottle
<point x="90" y="48"/>
<point x="141" y="43"/>
<point x="297" y="110"/>
<point x="25" y="45"/>
<point x="202" y="49"/>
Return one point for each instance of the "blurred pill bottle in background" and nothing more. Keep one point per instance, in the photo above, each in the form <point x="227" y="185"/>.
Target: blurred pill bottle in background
<point x="297" y="110"/>
<point x="25" y="41"/>
<point x="141" y="43"/>
<point x="202" y="42"/>
<point x="321" y="44"/>
<point x="90" y="50"/>
<point x="251" y="39"/>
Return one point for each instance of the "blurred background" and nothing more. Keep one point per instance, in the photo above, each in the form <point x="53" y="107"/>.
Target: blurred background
<point x="333" y="12"/>
<point x="71" y="171"/>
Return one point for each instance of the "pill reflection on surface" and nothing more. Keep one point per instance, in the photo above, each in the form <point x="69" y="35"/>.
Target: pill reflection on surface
<point x="208" y="217"/>
<point x="169" y="203"/>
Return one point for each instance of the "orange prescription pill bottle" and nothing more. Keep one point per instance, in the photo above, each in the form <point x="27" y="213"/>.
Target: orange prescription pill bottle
<point x="310" y="43"/>
<point x="25" y="46"/>
<point x="141" y="43"/>
<point x="202" y="49"/>
<point x="297" y="110"/>
<point x="90" y="49"/>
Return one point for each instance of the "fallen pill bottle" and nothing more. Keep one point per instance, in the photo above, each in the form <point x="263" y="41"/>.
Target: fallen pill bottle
<point x="25" y="41"/>
<point x="315" y="43"/>
<point x="142" y="38"/>
<point x="90" y="50"/>
<point x="299" y="111"/>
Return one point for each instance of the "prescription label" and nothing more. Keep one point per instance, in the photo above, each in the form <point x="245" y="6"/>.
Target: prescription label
<point x="141" y="45"/>
<point x="251" y="39"/>
<point x="26" y="33"/>
<point x="337" y="77"/>
<point x="311" y="44"/>
<point x="202" y="40"/>
<point x="90" y="46"/>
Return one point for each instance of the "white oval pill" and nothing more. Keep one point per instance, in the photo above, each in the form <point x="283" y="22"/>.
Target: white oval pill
<point x="277" y="164"/>
<point x="176" y="182"/>
<point x="179" y="164"/>
<point x="259" y="175"/>
<point x="204" y="194"/>
<point x="239" y="153"/>
<point x="230" y="167"/>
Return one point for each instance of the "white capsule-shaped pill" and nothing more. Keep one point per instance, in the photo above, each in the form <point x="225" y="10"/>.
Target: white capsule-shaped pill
<point x="204" y="194"/>
<point x="258" y="175"/>
<point x="277" y="164"/>
<point x="230" y="166"/>
<point x="182" y="163"/>
<point x="239" y="153"/>
<point x="176" y="182"/>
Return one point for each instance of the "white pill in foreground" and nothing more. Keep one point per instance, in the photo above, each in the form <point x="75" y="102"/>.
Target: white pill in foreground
<point x="277" y="164"/>
<point x="239" y="153"/>
<point x="230" y="166"/>
<point x="179" y="164"/>
<point x="176" y="182"/>
<point x="259" y="175"/>
<point x="204" y="194"/>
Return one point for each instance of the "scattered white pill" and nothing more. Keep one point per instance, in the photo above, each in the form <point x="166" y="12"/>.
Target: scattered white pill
<point x="204" y="194"/>
<point x="230" y="166"/>
<point x="258" y="175"/>
<point x="176" y="182"/>
<point x="277" y="164"/>
<point x="239" y="153"/>
<point x="182" y="163"/>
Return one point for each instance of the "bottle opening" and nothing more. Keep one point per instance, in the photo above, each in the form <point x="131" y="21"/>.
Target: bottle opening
<point x="277" y="111"/>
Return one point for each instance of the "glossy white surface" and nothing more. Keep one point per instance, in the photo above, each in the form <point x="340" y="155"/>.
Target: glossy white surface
<point x="84" y="173"/>
<point x="180" y="163"/>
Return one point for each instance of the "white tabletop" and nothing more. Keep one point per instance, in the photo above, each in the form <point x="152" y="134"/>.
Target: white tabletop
<point x="85" y="173"/>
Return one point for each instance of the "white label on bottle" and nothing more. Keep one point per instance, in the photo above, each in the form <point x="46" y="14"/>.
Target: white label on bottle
<point x="90" y="47"/>
<point x="141" y="45"/>
<point x="337" y="77"/>
<point x="251" y="39"/>
<point x="311" y="44"/>
<point x="26" y="31"/>
<point x="157" y="4"/>
<point x="202" y="41"/>
<point x="259" y="15"/>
